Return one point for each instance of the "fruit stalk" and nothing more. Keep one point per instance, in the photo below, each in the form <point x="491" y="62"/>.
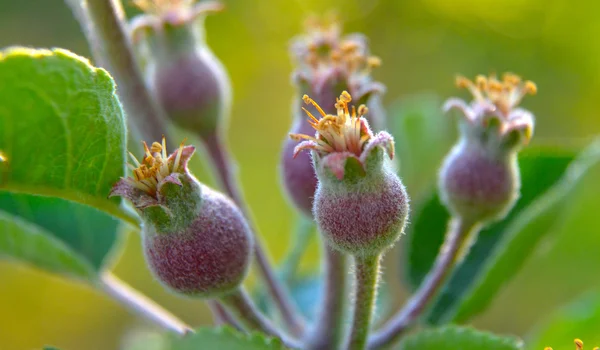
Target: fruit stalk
<point x="241" y="306"/>
<point x="328" y="329"/>
<point x="458" y="235"/>
<point x="367" y="275"/>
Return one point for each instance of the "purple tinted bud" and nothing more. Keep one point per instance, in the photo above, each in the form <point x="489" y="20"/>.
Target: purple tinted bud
<point x="196" y="241"/>
<point x="210" y="257"/>
<point x="187" y="79"/>
<point x="363" y="218"/>
<point x="479" y="180"/>
<point x="192" y="92"/>
<point x="477" y="186"/>
<point x="360" y="204"/>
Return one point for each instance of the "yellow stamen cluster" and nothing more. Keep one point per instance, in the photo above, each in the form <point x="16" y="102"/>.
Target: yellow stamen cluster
<point x="326" y="48"/>
<point x="3" y="158"/>
<point x="155" y="166"/>
<point x="160" y="7"/>
<point x="505" y="94"/>
<point x="578" y="345"/>
<point x="344" y="132"/>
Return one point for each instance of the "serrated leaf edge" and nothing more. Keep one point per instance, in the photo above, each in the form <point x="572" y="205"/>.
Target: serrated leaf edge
<point x="254" y="337"/>
<point x="453" y="330"/>
<point x="114" y="209"/>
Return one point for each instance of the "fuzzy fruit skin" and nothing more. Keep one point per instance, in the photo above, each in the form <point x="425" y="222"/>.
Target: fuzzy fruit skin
<point x="208" y="258"/>
<point x="363" y="218"/>
<point x="190" y="91"/>
<point x="479" y="185"/>
<point x="187" y="79"/>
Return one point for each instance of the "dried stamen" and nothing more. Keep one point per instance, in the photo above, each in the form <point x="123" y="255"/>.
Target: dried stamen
<point x="505" y="94"/>
<point x="154" y="167"/>
<point x="344" y="132"/>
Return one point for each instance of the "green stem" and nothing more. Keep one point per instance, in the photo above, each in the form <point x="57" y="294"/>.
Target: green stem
<point x="225" y="168"/>
<point x="103" y="24"/>
<point x="141" y="304"/>
<point x="327" y="331"/>
<point x="243" y="309"/>
<point x="367" y="275"/>
<point x="460" y="234"/>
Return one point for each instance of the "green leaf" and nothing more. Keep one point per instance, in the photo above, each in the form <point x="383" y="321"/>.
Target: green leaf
<point x="27" y="242"/>
<point x="540" y="170"/>
<point x="463" y="338"/>
<point x="523" y="234"/>
<point x="144" y="339"/>
<point x="62" y="129"/>
<point x="422" y="135"/>
<point x="223" y="338"/>
<point x="62" y="144"/>
<point x="55" y="235"/>
<point x="578" y="319"/>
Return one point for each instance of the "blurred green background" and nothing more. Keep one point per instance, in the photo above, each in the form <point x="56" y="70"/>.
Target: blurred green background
<point x="423" y="44"/>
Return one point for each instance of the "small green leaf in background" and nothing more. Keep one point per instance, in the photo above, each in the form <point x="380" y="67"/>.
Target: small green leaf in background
<point x="62" y="129"/>
<point x="223" y="338"/>
<point x="580" y="319"/>
<point x="425" y="235"/>
<point x="422" y="135"/>
<point x="454" y="338"/>
<point x="63" y="144"/>
<point x="540" y="170"/>
<point x="145" y="339"/>
<point x="27" y="242"/>
<point x="55" y="234"/>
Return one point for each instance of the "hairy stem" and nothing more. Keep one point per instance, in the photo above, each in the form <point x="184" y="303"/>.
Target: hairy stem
<point x="103" y="24"/>
<point x="225" y="168"/>
<point x="241" y="306"/>
<point x="141" y="304"/>
<point x="367" y="274"/>
<point x="458" y="236"/>
<point x="327" y="331"/>
<point x="221" y="316"/>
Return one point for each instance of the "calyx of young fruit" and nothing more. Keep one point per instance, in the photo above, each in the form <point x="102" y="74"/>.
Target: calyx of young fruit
<point x="326" y="63"/>
<point x="360" y="204"/>
<point x="196" y="241"/>
<point x="479" y="180"/>
<point x="187" y="79"/>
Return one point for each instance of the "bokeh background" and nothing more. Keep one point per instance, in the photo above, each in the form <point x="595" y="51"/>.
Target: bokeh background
<point x="423" y="44"/>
